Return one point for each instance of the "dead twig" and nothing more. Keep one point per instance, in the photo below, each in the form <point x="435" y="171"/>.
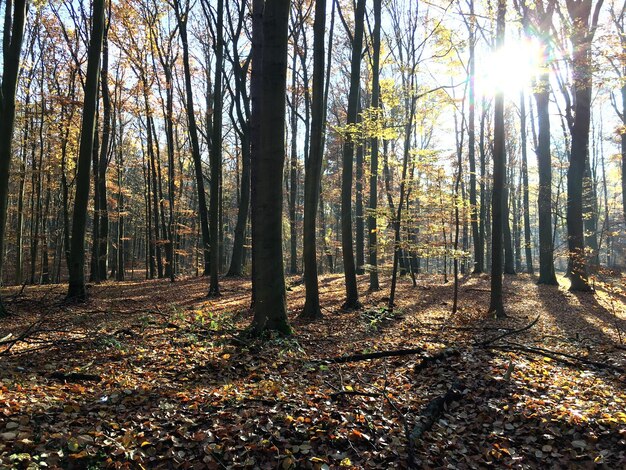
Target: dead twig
<point x="509" y="333"/>
<point x="368" y="356"/>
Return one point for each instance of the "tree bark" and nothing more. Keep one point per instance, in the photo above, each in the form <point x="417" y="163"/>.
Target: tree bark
<point x="496" y="304"/>
<point x="195" y="143"/>
<point x="270" y="310"/>
<point x="526" y="199"/>
<point x="352" y="295"/>
<point x="581" y="37"/>
<point x="76" y="288"/>
<point x="216" y="155"/>
<point x="372" y="227"/>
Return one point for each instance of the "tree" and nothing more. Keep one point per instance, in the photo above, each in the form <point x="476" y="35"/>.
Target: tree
<point x="352" y="295"/>
<point x="526" y="200"/>
<point x="540" y="16"/>
<point x="583" y="29"/>
<point x="14" y="19"/>
<point x="216" y="152"/>
<point x="76" y="289"/>
<point x="241" y="97"/>
<point x="372" y="227"/>
<point x="313" y="175"/>
<point x="618" y="19"/>
<point x="479" y="246"/>
<point x="270" y="310"/>
<point x="182" y="16"/>
<point x="496" y="304"/>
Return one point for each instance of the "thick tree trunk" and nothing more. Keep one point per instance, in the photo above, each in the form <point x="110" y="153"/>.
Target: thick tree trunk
<point x="270" y="310"/>
<point x="12" y="45"/>
<point x="581" y="37"/>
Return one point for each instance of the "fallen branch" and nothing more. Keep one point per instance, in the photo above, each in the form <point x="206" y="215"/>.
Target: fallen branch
<point x="368" y="356"/>
<point x="74" y="377"/>
<point x="509" y="333"/>
<point x="478" y="289"/>
<point x="433" y="411"/>
<point x="551" y="354"/>
<point x="341" y="393"/>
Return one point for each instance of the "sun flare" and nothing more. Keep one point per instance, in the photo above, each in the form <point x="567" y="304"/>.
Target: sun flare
<point x="509" y="69"/>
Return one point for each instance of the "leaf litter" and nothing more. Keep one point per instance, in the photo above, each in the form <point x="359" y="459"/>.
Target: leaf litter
<point x="155" y="375"/>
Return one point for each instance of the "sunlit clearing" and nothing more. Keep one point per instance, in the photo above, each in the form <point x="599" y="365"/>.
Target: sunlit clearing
<point x="509" y="69"/>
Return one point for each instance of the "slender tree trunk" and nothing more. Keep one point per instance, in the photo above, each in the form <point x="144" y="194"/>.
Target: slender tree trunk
<point x="313" y="175"/>
<point x="372" y="227"/>
<point x="195" y="143"/>
<point x="509" y="255"/>
<point x="544" y="164"/>
<point x="293" y="166"/>
<point x="527" y="234"/>
<point x="479" y="248"/>
<point x="241" y="94"/>
<point x="103" y="235"/>
<point x="256" y="117"/>
<point x="359" y="222"/>
<point x="496" y="304"/>
<point x="398" y="252"/>
<point x="76" y="289"/>
<point x="623" y="144"/>
<point x="121" y="242"/>
<point x="352" y="295"/>
<point x="215" y="156"/>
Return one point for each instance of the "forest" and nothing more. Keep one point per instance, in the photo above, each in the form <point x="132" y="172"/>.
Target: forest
<point x="316" y="234"/>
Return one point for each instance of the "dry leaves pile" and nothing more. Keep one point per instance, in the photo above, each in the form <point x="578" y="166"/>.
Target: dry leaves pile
<point x="154" y="375"/>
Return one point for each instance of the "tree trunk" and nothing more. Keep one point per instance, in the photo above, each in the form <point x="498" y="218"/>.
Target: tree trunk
<point x="359" y="222"/>
<point x="372" y="227"/>
<point x="195" y="143"/>
<point x="215" y="156"/>
<point x="270" y="310"/>
<point x="544" y="164"/>
<point x="293" y="165"/>
<point x="479" y="248"/>
<point x="352" y="295"/>
<point x="103" y="235"/>
<point x="496" y="304"/>
<point x="581" y="37"/>
<point x="241" y="94"/>
<point x="313" y="175"/>
<point x="76" y="289"/>
<point x="526" y="200"/>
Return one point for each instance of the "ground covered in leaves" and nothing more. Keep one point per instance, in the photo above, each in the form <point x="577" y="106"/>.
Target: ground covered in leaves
<point x="155" y="375"/>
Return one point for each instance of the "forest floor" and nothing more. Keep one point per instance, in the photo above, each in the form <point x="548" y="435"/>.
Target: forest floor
<point x="150" y="374"/>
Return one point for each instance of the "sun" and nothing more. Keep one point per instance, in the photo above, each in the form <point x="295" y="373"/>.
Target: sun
<point x="509" y="69"/>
